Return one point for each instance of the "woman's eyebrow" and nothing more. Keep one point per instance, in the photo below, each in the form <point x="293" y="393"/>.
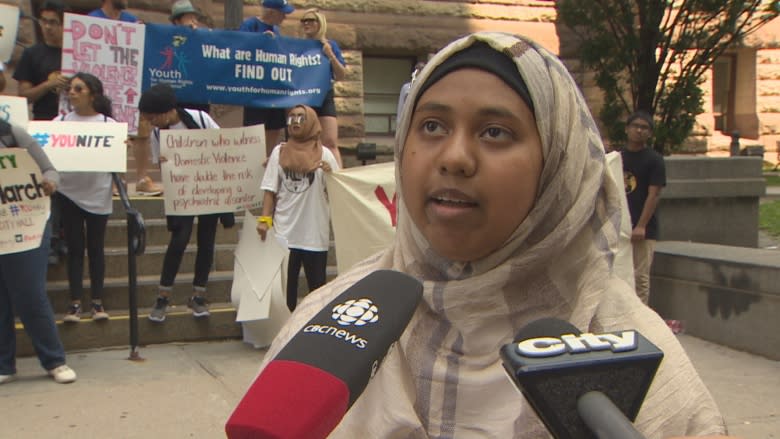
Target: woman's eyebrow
<point x="433" y="106"/>
<point x="496" y="112"/>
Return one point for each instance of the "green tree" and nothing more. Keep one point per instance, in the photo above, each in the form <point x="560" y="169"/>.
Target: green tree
<point x="652" y="55"/>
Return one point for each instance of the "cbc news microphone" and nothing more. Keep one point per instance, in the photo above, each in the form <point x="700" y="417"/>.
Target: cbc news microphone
<point x="582" y="385"/>
<point x="309" y="386"/>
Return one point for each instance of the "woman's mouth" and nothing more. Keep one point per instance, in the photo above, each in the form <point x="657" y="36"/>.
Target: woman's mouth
<point x="450" y="204"/>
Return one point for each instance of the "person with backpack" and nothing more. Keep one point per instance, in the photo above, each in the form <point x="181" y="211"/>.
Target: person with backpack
<point x="23" y="282"/>
<point x="158" y="107"/>
<point x="85" y="200"/>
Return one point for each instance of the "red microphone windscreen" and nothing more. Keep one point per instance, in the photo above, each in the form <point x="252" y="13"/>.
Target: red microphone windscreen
<point x="319" y="400"/>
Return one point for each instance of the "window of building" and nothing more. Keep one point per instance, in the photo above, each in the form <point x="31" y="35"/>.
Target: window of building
<point x="382" y="81"/>
<point x="723" y="92"/>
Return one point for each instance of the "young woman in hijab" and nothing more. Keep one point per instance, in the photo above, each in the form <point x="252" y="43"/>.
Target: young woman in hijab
<point x="314" y="27"/>
<point x="85" y="200"/>
<point x="507" y="214"/>
<point x="295" y="202"/>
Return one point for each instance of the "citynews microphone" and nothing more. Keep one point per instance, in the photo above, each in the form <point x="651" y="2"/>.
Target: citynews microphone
<point x="308" y="387"/>
<point x="582" y="385"/>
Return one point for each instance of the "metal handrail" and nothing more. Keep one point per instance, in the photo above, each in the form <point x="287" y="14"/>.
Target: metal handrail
<point x="136" y="244"/>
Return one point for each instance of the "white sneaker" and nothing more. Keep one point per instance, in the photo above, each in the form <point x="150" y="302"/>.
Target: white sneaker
<point x="63" y="374"/>
<point x="7" y="378"/>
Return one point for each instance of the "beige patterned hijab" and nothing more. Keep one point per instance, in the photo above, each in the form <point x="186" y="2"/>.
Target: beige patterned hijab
<point x="445" y="379"/>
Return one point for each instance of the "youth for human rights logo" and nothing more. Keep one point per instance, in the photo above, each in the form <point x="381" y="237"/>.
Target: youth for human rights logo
<point x="175" y="61"/>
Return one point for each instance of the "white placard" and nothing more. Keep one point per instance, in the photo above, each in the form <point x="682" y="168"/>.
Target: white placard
<point x="9" y="25"/>
<point x="82" y="146"/>
<point x="13" y="109"/>
<point x="24" y="208"/>
<point x="212" y="170"/>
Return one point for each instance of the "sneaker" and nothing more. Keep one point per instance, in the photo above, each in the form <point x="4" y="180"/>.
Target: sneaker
<point x="63" y="374"/>
<point x="7" y="378"/>
<point x="158" y="312"/>
<point x="74" y="313"/>
<point x="199" y="306"/>
<point x="147" y="187"/>
<point x="98" y="312"/>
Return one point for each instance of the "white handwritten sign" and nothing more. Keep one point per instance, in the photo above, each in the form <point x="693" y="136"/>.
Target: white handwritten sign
<point x="24" y="208"/>
<point x="111" y="50"/>
<point x="212" y="170"/>
<point x="14" y="109"/>
<point x="9" y="24"/>
<point x="82" y="146"/>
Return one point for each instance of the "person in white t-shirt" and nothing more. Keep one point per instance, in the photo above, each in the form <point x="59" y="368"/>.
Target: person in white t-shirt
<point x="85" y="200"/>
<point x="296" y="202"/>
<point x="158" y="106"/>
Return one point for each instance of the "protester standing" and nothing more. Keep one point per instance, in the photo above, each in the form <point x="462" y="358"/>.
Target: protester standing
<point x="85" y="199"/>
<point x="645" y="175"/>
<point x="42" y="83"/>
<point x="315" y="27"/>
<point x="158" y="107"/>
<point x="272" y="15"/>
<point x="23" y="282"/>
<point x="114" y="10"/>
<point x="295" y="201"/>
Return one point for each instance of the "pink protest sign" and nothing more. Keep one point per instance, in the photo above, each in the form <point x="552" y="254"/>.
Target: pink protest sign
<point x="111" y="50"/>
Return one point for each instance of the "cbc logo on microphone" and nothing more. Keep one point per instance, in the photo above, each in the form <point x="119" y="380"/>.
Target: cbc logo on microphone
<point x="358" y="312"/>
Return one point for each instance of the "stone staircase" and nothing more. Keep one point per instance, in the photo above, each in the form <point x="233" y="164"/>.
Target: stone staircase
<point x="179" y="325"/>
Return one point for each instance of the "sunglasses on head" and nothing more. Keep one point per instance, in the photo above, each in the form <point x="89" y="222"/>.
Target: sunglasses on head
<point x="308" y="20"/>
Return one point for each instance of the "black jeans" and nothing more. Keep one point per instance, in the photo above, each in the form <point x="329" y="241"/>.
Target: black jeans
<point x="82" y="229"/>
<point x="181" y="230"/>
<point x="314" y="266"/>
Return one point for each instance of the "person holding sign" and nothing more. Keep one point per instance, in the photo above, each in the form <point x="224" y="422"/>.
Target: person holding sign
<point x="296" y="201"/>
<point x="85" y="198"/>
<point x="271" y="16"/>
<point x="158" y="107"/>
<point x="23" y="282"/>
<point x="314" y="27"/>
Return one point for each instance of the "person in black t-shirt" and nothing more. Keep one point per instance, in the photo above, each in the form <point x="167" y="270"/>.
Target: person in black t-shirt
<point x="38" y="72"/>
<point x="645" y="174"/>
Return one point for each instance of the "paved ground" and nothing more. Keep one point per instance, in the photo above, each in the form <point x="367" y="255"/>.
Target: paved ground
<point x="189" y="390"/>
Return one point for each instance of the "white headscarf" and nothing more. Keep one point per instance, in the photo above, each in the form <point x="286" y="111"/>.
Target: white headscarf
<point x="445" y="378"/>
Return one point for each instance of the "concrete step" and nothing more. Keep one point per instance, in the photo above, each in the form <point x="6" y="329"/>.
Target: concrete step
<point x="179" y="326"/>
<point x="115" y="290"/>
<point x="150" y="263"/>
<point x="157" y="232"/>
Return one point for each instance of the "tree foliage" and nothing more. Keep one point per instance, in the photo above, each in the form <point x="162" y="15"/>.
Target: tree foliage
<point x="653" y="54"/>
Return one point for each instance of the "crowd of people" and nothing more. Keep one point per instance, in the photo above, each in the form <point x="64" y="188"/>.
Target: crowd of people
<point x="81" y="202"/>
<point x="491" y="121"/>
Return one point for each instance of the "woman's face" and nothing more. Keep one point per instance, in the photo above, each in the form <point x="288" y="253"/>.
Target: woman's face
<point x="471" y="164"/>
<point x="310" y="26"/>
<point x="79" y="96"/>
<point x="296" y="121"/>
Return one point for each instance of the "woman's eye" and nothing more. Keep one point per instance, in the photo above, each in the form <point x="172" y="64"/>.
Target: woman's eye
<point x="497" y="133"/>
<point x="431" y="127"/>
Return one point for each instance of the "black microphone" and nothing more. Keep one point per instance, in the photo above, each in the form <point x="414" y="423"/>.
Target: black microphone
<point x="309" y="386"/>
<point x="582" y="385"/>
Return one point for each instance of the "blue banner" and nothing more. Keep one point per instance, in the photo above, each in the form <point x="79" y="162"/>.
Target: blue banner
<point x="236" y="68"/>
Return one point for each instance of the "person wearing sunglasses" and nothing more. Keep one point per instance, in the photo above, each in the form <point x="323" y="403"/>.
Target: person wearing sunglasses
<point x="314" y="26"/>
<point x="85" y="199"/>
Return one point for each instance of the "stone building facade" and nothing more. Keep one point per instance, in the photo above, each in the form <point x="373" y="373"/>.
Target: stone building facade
<point x="383" y="39"/>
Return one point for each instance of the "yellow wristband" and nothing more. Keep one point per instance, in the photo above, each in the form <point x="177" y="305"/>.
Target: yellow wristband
<point x="265" y="219"/>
